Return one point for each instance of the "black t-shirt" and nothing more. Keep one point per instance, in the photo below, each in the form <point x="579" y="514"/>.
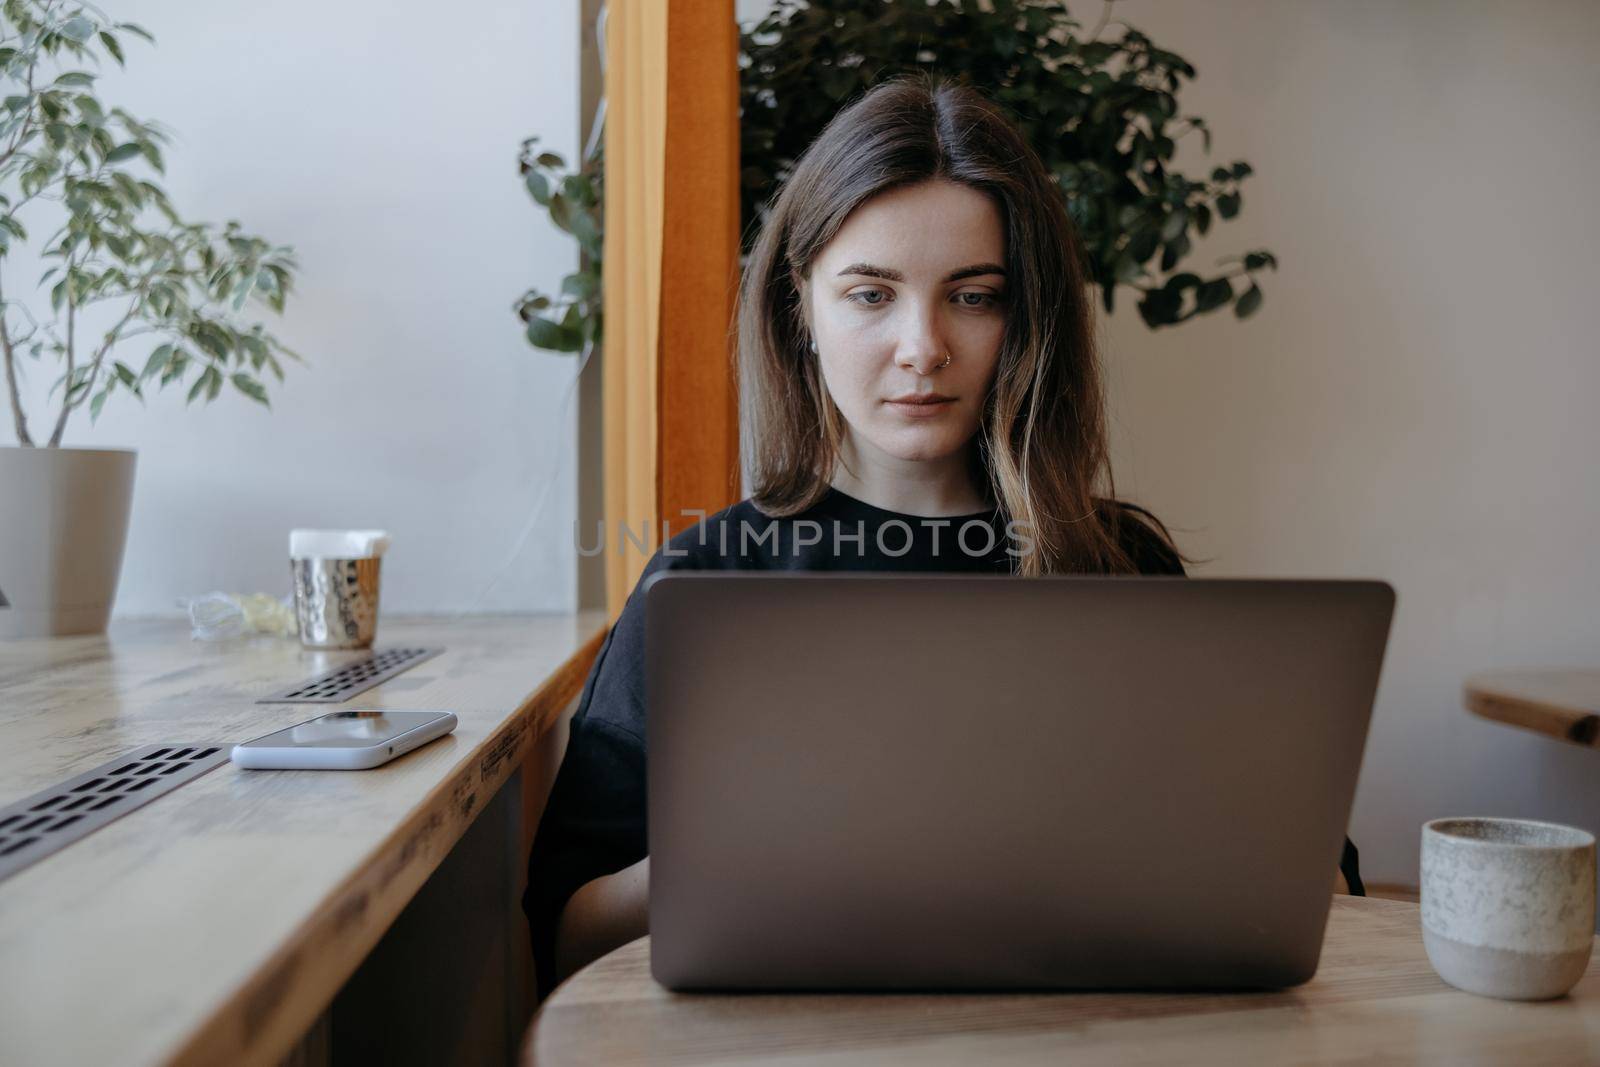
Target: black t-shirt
<point x="594" y="821"/>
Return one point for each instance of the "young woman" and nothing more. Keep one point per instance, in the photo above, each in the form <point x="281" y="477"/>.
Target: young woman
<point x="922" y="392"/>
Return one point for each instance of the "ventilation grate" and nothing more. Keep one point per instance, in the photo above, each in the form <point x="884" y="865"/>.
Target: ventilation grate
<point x="340" y="685"/>
<point x="46" y="822"/>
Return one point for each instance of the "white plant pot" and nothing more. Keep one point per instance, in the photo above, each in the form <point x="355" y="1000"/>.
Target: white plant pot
<point x="63" y="525"/>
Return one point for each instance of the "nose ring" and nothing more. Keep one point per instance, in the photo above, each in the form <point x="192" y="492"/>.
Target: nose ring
<point x="945" y="364"/>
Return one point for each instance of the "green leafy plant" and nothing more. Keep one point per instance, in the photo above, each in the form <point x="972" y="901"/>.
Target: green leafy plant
<point x="122" y="263"/>
<point x="1099" y="105"/>
<point x="571" y="320"/>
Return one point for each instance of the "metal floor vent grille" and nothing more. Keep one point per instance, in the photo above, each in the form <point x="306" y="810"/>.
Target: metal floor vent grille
<point x="36" y="826"/>
<point x="340" y="685"/>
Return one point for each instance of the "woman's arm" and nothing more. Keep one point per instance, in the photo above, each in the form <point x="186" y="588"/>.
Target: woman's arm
<point x="604" y="914"/>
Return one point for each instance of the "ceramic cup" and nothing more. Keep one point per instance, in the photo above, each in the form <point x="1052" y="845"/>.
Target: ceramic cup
<point x="1508" y="905"/>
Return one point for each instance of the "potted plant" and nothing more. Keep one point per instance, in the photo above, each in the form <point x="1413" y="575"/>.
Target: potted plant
<point x="1098" y="103"/>
<point x="119" y="264"/>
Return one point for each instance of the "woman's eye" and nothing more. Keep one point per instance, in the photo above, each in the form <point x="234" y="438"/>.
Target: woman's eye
<point x="983" y="299"/>
<point x="861" y="297"/>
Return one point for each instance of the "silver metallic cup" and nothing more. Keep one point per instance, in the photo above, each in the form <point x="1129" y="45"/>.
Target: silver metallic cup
<point x="336" y="601"/>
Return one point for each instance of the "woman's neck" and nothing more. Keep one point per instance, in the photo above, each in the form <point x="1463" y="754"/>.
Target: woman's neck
<point x="925" y="488"/>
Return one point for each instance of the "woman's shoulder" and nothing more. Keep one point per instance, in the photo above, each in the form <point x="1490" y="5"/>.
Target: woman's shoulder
<point x="1145" y="539"/>
<point x="718" y="541"/>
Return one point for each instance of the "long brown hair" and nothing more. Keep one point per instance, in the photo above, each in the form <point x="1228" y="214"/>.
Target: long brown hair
<point x="1042" y="452"/>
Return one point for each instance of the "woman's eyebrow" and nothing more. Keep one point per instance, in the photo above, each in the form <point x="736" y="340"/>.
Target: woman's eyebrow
<point x="873" y="272"/>
<point x="976" y="270"/>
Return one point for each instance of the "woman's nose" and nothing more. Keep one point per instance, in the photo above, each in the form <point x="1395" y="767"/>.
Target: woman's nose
<point x="922" y="347"/>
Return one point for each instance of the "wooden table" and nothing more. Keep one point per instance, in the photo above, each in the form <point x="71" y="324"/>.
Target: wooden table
<point x="1374" y="998"/>
<point x="1563" y="703"/>
<point x="217" y="923"/>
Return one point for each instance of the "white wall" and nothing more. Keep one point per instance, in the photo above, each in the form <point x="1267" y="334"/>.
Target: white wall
<point x="380" y="140"/>
<point x="1415" y="400"/>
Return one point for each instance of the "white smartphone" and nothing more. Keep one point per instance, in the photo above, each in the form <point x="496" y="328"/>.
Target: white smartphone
<point x="344" y="740"/>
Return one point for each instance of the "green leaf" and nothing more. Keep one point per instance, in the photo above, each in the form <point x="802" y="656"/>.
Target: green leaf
<point x="582" y="285"/>
<point x="1144" y="245"/>
<point x="157" y="362"/>
<point x="1174" y="251"/>
<point x="126" y="376"/>
<point x="1228" y="205"/>
<point x="212" y="339"/>
<point x="538" y="187"/>
<point x="78" y="29"/>
<point x="256" y="347"/>
<point x="122" y="152"/>
<point x="75" y="78"/>
<point x="577" y="188"/>
<point x="175" y="368"/>
<point x="1159" y="307"/>
<point x="97" y="403"/>
<point x="560" y="211"/>
<point x="551" y="160"/>
<point x="1241" y="170"/>
<point x="1213" y="294"/>
<point x="554" y="336"/>
<point x="112" y="47"/>
<point x="1248" y="302"/>
<point x="581" y="225"/>
<point x="1175" y="224"/>
<point x="198" y="387"/>
<point x="251" y="388"/>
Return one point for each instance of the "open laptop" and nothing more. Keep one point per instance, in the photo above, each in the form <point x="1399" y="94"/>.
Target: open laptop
<point x="919" y="781"/>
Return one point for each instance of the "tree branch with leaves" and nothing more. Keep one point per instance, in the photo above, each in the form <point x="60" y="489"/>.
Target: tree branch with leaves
<point x="120" y="242"/>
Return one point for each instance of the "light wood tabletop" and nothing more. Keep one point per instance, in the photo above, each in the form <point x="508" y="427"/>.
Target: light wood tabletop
<point x="214" y="924"/>
<point x="1561" y="702"/>
<point x="1374" y="999"/>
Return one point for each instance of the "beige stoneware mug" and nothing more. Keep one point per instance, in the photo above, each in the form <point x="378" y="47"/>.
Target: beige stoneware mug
<point x="1508" y="905"/>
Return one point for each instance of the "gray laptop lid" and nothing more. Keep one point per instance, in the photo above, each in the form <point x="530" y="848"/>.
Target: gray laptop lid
<point x="863" y="781"/>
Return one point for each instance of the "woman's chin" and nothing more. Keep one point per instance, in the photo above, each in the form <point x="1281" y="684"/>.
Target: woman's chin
<point x="920" y="444"/>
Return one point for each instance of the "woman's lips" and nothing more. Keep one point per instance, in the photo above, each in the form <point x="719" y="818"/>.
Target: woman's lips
<point x="926" y="409"/>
